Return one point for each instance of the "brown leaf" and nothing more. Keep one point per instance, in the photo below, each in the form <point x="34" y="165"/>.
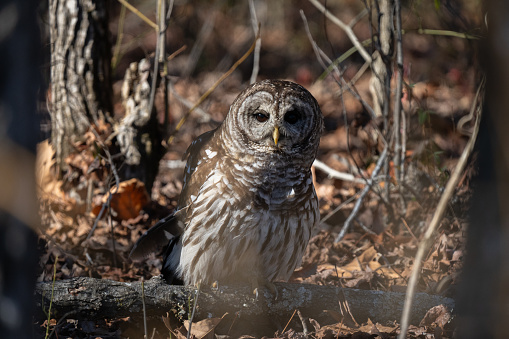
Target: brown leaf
<point x="204" y="329"/>
<point x="127" y="201"/>
<point x="436" y="316"/>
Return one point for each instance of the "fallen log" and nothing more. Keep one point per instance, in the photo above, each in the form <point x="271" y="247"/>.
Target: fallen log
<point x="90" y="298"/>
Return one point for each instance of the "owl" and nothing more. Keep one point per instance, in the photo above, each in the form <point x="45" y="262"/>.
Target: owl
<point x="248" y="205"/>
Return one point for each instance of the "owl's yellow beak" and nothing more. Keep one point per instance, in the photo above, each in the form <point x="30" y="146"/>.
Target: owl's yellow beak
<point x="275" y="135"/>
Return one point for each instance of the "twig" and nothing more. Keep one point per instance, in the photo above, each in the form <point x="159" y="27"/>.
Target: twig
<point x="357" y="18"/>
<point x="198" y="46"/>
<point x="138" y="13"/>
<point x="211" y="89"/>
<point x="159" y="46"/>
<point x="194" y="310"/>
<point x="62" y="318"/>
<point x="288" y="323"/>
<point x="52" y="291"/>
<point x="114" y="248"/>
<point x="441" y="32"/>
<point x="340" y="206"/>
<point x="256" y="54"/>
<point x="320" y="56"/>
<point x="408" y="229"/>
<point x="304" y="325"/>
<point x="364" y="227"/>
<point x="144" y="307"/>
<point x="359" y="73"/>
<point x="343" y="57"/>
<point x="331" y="172"/>
<point x="162" y="58"/>
<point x="348" y="30"/>
<point x="363" y="193"/>
<point x="110" y="193"/>
<point x="120" y="36"/>
<point x="204" y="116"/>
<point x="437" y="216"/>
<point x="397" y="97"/>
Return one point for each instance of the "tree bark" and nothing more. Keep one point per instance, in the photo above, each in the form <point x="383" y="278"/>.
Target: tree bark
<point x="139" y="134"/>
<point x="382" y="72"/>
<point x="81" y="88"/>
<point x="94" y="299"/>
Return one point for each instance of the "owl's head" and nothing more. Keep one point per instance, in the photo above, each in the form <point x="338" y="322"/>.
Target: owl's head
<point x="275" y="116"/>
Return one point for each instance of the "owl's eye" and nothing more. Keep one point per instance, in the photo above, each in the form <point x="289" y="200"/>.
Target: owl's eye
<point x="292" y="117"/>
<point x="261" y="117"/>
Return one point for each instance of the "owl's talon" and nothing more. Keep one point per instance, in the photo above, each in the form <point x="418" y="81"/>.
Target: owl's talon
<point x="268" y="285"/>
<point x="272" y="288"/>
<point x="215" y="285"/>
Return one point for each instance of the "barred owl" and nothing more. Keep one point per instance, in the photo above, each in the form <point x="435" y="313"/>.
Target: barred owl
<point x="248" y="204"/>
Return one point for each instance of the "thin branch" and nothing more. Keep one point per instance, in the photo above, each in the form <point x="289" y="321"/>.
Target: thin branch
<point x="331" y="172"/>
<point x="437" y="216"/>
<point x="363" y="193"/>
<point x="338" y="208"/>
<point x="159" y="46"/>
<point x="198" y="46"/>
<point x="397" y="97"/>
<point x="107" y="204"/>
<point x="204" y="116"/>
<point x="303" y="322"/>
<point x="139" y="14"/>
<point x="288" y="323"/>
<point x="358" y="17"/>
<point x="441" y="32"/>
<point x="120" y="36"/>
<point x="256" y="54"/>
<point x="52" y="292"/>
<point x="194" y="310"/>
<point x="348" y="30"/>
<point x="320" y="56"/>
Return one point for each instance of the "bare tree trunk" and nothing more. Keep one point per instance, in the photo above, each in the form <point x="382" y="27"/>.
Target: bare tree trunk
<point x="81" y="89"/>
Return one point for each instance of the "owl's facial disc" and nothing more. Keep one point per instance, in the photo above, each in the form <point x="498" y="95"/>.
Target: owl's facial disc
<point x="282" y="117"/>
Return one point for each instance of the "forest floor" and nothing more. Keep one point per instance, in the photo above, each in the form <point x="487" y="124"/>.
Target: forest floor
<point x="378" y="250"/>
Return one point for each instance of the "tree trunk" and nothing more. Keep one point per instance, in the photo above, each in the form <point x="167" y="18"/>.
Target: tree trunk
<point x="81" y="89"/>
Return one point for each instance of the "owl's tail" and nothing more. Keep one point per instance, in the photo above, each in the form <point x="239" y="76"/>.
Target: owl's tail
<point x="158" y="236"/>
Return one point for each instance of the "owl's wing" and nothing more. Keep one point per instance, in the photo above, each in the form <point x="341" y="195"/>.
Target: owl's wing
<point x="158" y="236"/>
<point x="193" y="151"/>
<point x="193" y="155"/>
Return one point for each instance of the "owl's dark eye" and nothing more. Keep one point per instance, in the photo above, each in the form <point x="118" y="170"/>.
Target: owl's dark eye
<point x="261" y="117"/>
<point x="292" y="117"/>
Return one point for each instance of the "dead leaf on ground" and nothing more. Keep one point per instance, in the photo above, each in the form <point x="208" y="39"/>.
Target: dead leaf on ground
<point x="128" y="200"/>
<point x="367" y="260"/>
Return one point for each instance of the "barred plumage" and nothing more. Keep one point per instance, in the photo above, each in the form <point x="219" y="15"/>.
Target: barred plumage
<point x="248" y="205"/>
